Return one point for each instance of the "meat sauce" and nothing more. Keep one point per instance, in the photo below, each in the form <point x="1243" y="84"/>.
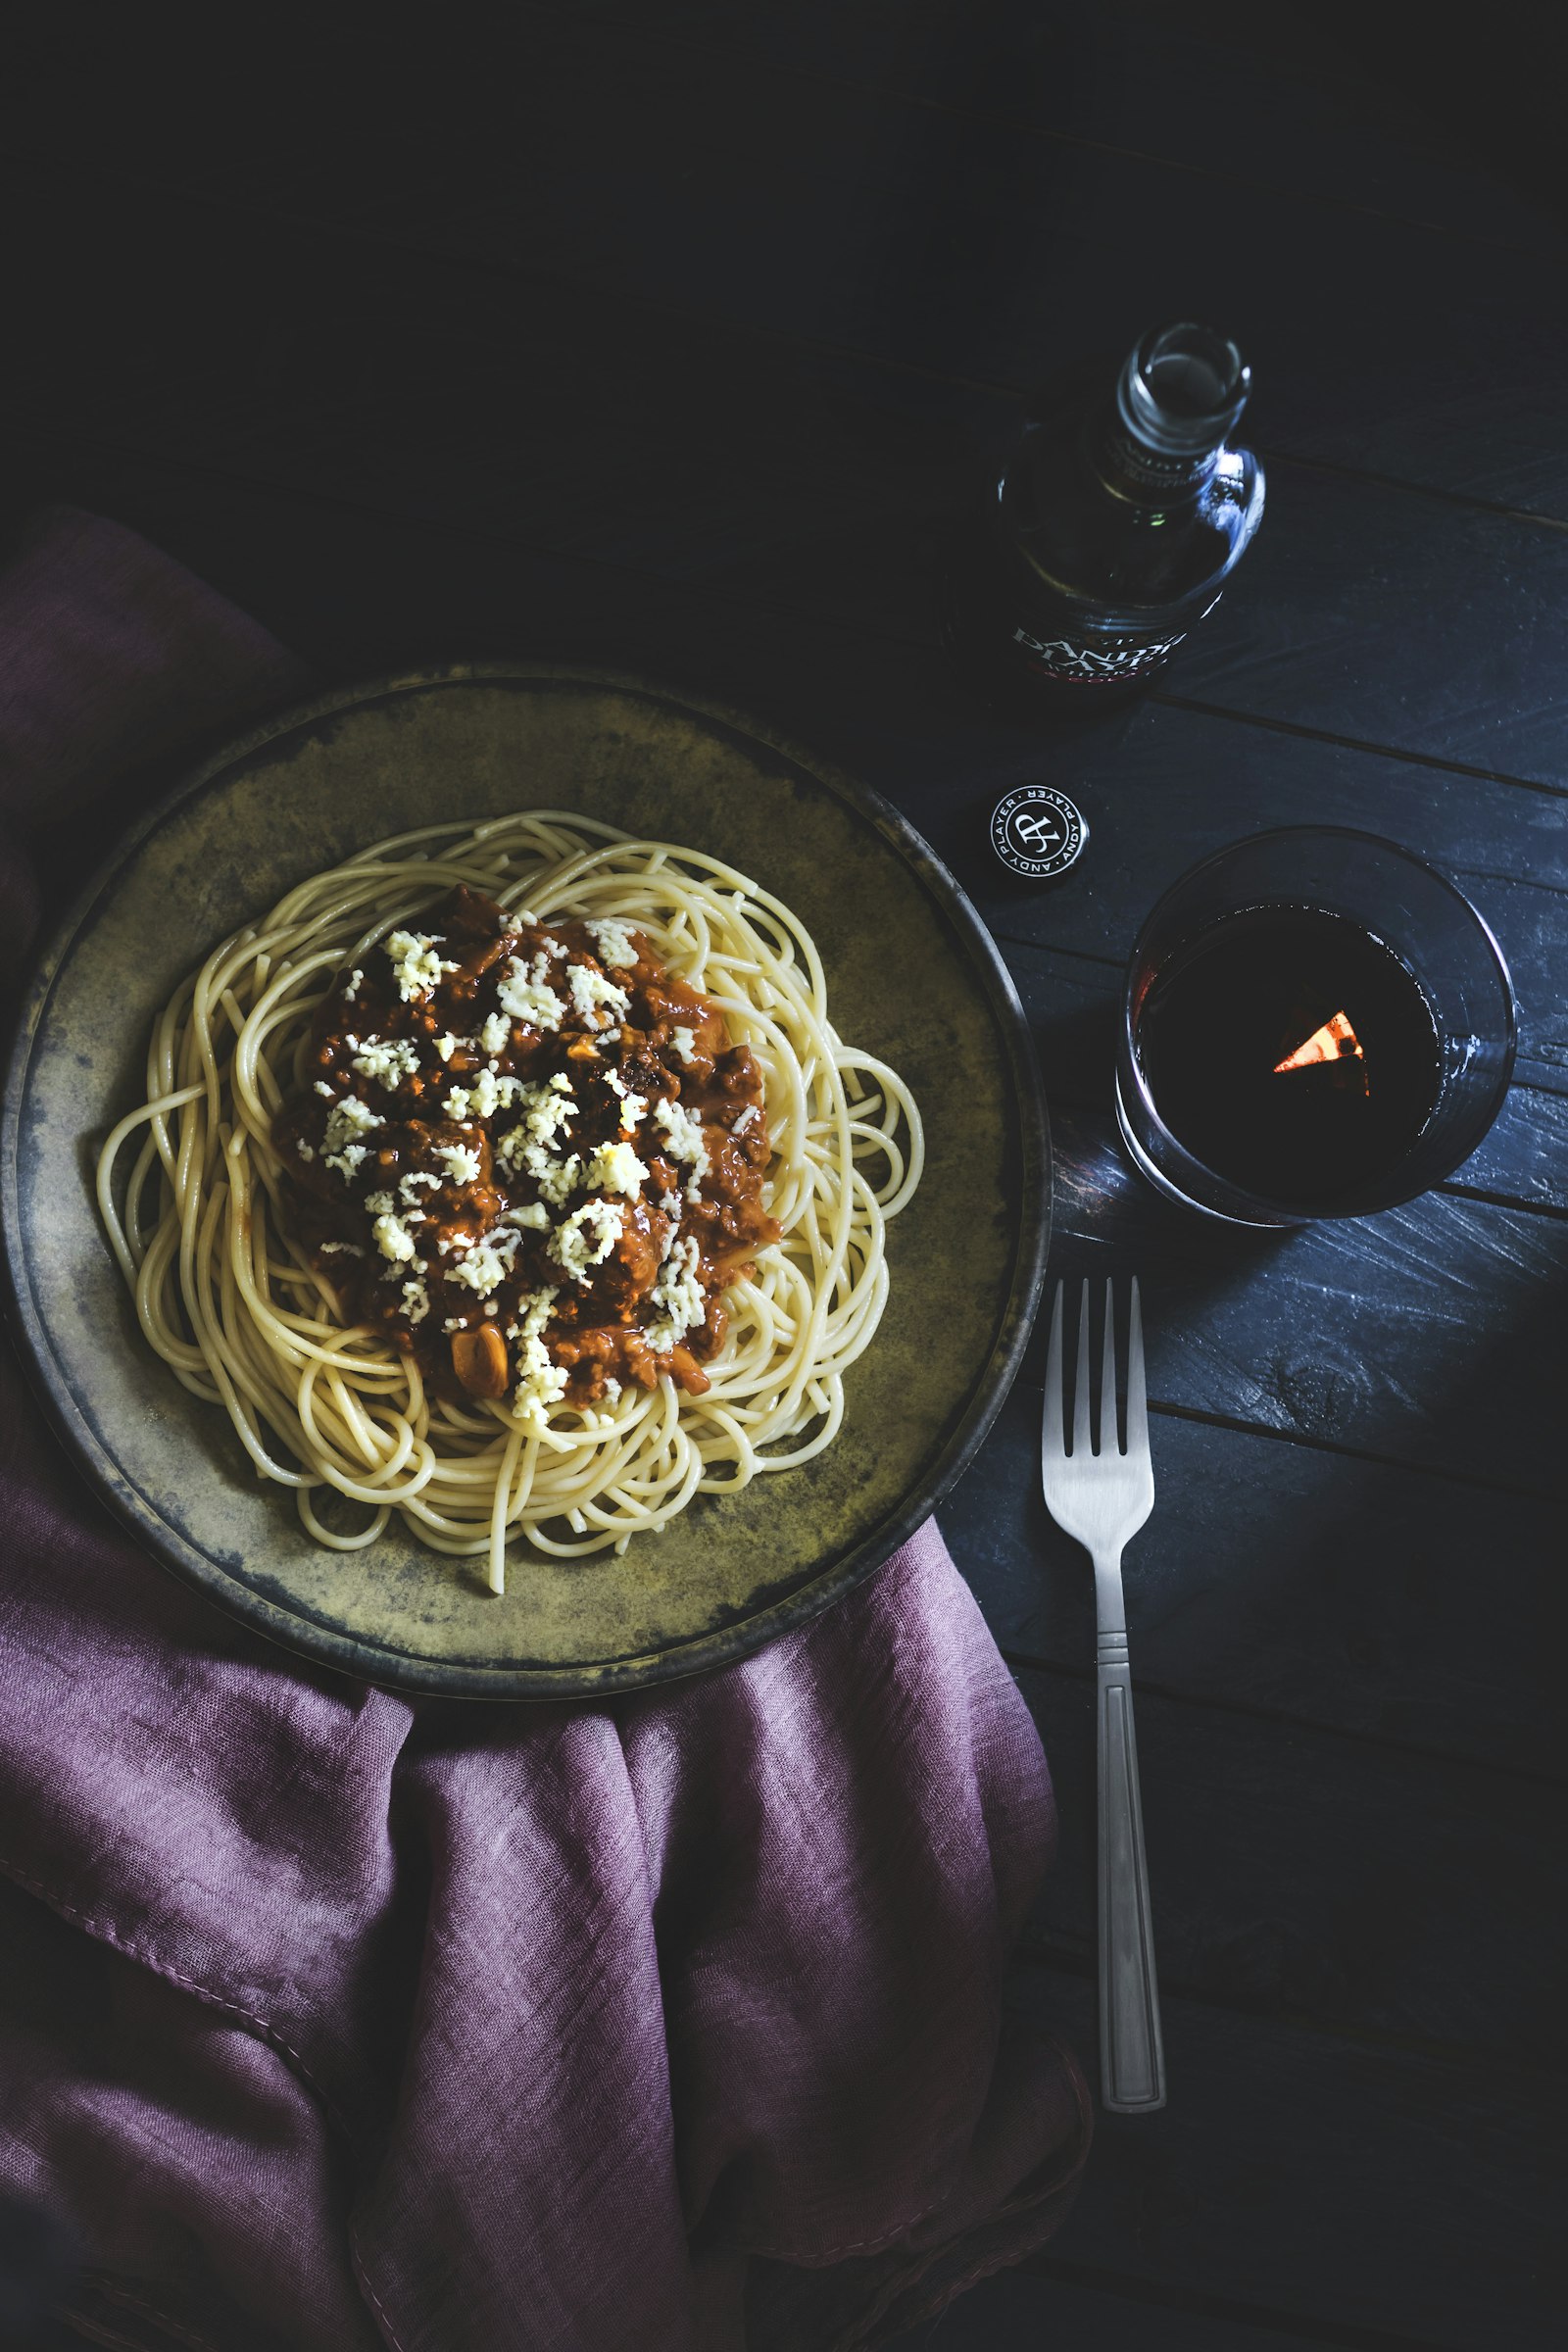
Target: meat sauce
<point x="516" y="1136"/>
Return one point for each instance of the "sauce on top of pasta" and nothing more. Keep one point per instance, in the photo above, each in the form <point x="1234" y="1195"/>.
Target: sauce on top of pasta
<point x="530" y="1153"/>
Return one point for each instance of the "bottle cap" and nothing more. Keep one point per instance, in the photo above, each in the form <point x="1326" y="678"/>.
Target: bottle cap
<point x="1037" y="832"/>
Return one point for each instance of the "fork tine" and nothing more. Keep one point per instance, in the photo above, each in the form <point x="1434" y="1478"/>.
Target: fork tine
<point x="1052" y="1444"/>
<point x="1137" y="1411"/>
<point x="1109" y="1442"/>
<point x="1081" y="1446"/>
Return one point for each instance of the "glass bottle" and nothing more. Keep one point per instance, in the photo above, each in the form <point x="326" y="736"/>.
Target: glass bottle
<point x="1113" y="530"/>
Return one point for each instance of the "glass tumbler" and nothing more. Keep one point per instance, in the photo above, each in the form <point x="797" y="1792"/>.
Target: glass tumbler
<point x="1394" y="900"/>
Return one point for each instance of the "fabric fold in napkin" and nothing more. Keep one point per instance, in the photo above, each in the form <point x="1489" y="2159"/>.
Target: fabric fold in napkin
<point x="334" y="2018"/>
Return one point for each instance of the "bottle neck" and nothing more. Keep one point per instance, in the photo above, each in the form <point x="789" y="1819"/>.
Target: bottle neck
<point x="1153" y="478"/>
<point x="1177" y="396"/>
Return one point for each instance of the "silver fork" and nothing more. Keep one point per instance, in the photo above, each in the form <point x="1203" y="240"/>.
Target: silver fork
<point x="1103" y="1500"/>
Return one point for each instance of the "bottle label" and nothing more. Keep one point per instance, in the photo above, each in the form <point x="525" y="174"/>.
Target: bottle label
<point x="1114" y="659"/>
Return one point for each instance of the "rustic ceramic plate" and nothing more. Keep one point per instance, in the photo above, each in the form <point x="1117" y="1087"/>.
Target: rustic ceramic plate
<point x="912" y="975"/>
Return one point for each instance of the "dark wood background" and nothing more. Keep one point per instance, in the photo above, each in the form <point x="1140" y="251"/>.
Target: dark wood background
<point x="666" y="336"/>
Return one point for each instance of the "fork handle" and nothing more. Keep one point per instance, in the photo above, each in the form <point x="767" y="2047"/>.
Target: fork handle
<point x="1132" y="2057"/>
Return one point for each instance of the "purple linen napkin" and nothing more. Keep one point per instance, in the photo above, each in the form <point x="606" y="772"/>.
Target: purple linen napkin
<point x="332" y="2019"/>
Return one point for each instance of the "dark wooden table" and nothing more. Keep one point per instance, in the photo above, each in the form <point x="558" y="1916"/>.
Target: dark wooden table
<point x="664" y="338"/>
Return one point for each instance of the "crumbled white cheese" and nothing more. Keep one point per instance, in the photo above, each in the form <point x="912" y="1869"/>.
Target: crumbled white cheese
<point x="633" y="1108"/>
<point x="613" y="943"/>
<point x="590" y="989"/>
<point x="348" y="1121"/>
<point x="546" y="1109"/>
<point x="323" y="1087"/>
<point x="447" y="1046"/>
<point x="527" y="999"/>
<point x="355" y="977"/>
<point x="614" y="1168"/>
<point x="484" y="1267"/>
<point x="612" y="1390"/>
<point x="557" y="1179"/>
<point x="348" y="1249"/>
<point x="487" y="1094"/>
<point x="379" y="1204"/>
<point x="305" y="1150"/>
<point x="535" y="1217"/>
<point x="386" y="1061"/>
<point x="460" y="1161"/>
<point x="496" y="1033"/>
<point x="678" y="1298"/>
<point x="684" y="1042"/>
<point x="541" y="1384"/>
<point x="683" y="1135"/>
<point x="745" y="1120"/>
<point x="415" y="1300"/>
<point x="393" y="1238"/>
<point x="570" y="1242"/>
<point x="411" y="1186"/>
<point x="416" y="965"/>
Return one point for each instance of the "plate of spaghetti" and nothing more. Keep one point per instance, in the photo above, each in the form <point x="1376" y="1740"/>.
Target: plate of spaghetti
<point x="519" y="1186"/>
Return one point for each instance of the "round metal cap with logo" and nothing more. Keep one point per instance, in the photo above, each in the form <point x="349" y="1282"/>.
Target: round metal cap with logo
<point x="1037" y="832"/>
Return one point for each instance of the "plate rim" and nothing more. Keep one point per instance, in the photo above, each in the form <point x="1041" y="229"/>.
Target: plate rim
<point x="400" y="1670"/>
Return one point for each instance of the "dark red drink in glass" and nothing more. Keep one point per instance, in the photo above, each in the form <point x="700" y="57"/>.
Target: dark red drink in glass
<point x="1316" y="1023"/>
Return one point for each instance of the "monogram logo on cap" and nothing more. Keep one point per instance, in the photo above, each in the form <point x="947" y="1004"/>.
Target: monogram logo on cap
<point x="1039" y="832"/>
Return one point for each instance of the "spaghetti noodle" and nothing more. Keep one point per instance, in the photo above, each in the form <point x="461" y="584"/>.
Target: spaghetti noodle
<point x="511" y="1178"/>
